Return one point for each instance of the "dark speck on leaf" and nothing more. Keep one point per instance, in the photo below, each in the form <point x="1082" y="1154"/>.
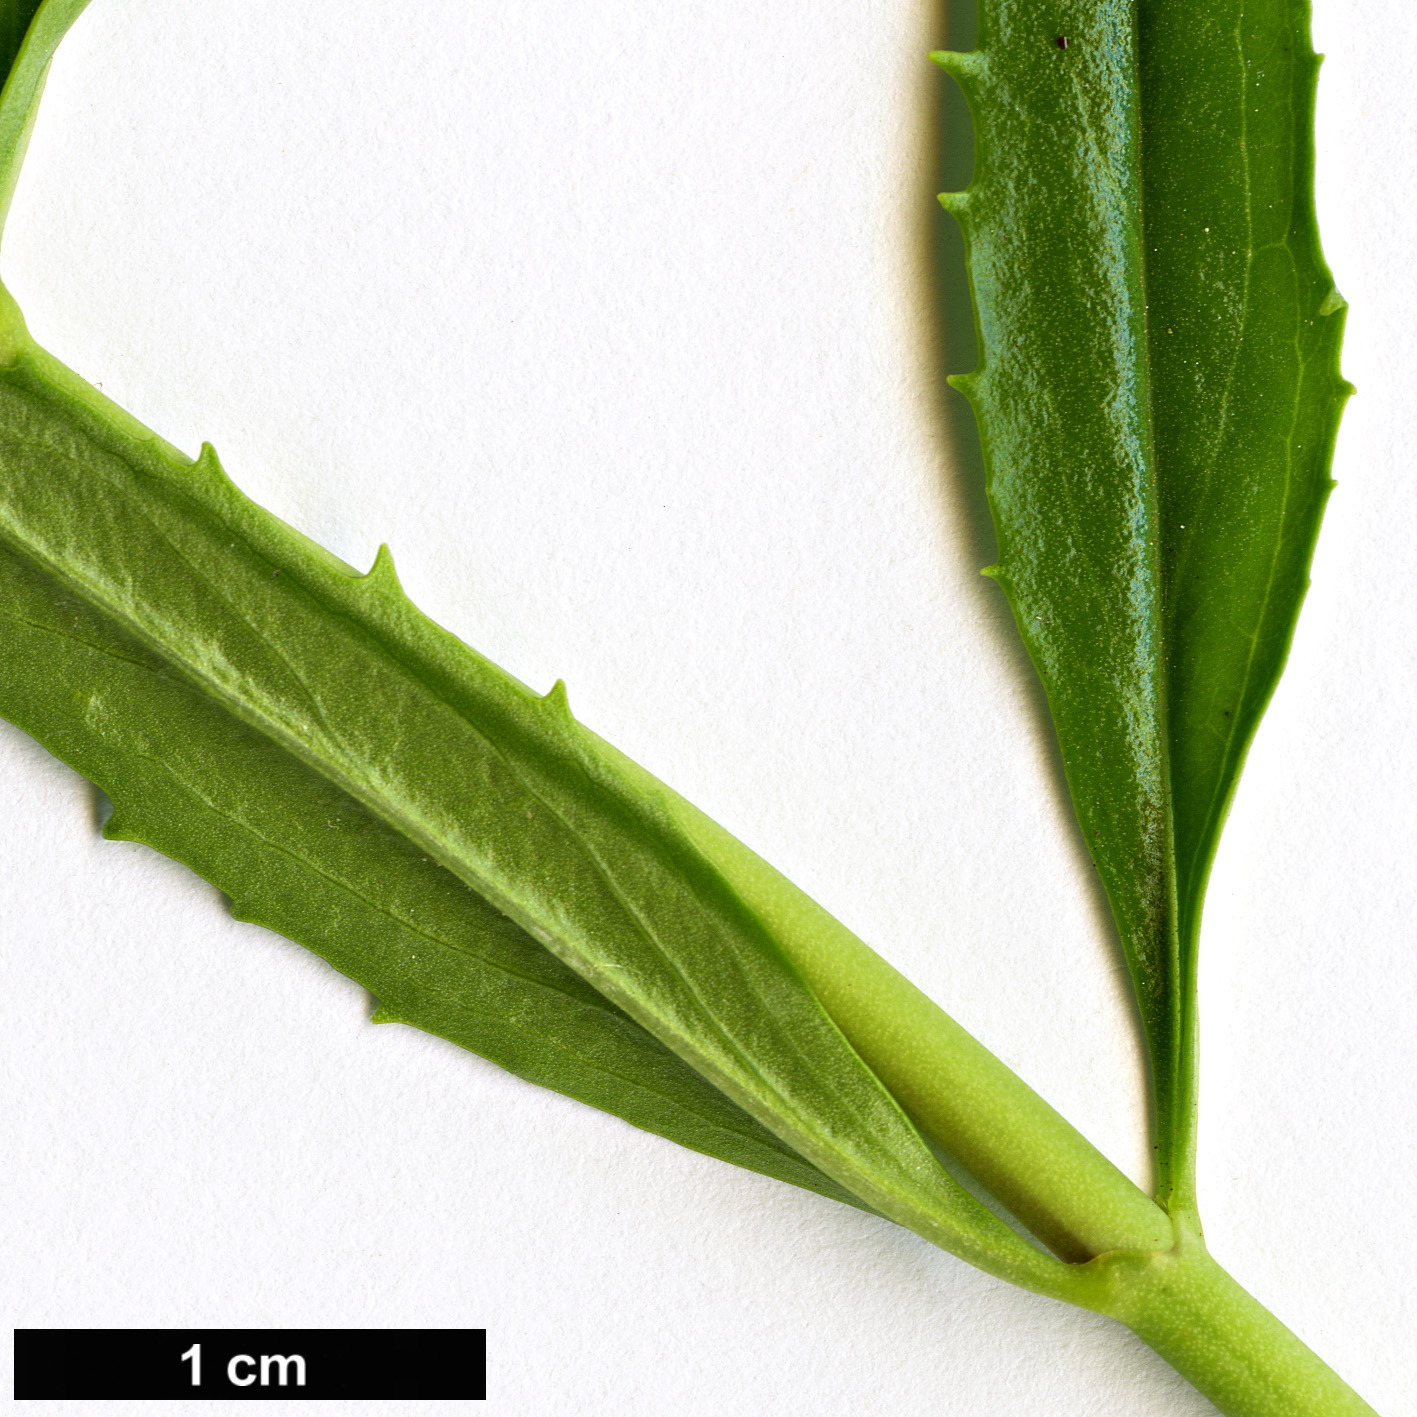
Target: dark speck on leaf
<point x="1062" y="41"/>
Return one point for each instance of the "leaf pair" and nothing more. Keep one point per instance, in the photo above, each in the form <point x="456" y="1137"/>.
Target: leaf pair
<point x="1157" y="415"/>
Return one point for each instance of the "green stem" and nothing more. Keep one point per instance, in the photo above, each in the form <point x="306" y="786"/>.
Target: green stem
<point x="964" y="1099"/>
<point x="1181" y="1303"/>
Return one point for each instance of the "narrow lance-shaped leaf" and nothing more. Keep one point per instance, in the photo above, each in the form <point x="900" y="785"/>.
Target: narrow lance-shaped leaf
<point x="1158" y="397"/>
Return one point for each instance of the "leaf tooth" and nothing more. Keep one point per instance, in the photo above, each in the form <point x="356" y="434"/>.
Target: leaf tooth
<point x="966" y="68"/>
<point x="967" y="384"/>
<point x="558" y="702"/>
<point x="999" y="574"/>
<point x="127" y="822"/>
<point x="383" y="1014"/>
<point x="208" y="467"/>
<point x="1333" y="302"/>
<point x="957" y="204"/>
<point x="381" y="577"/>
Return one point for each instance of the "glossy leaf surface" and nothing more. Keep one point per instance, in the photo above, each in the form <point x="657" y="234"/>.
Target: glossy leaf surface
<point x="1158" y="396"/>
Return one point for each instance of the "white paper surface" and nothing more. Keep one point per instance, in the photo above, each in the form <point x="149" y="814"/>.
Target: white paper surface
<point x="617" y="321"/>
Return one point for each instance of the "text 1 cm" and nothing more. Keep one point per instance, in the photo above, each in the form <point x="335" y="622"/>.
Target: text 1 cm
<point x="242" y="1370"/>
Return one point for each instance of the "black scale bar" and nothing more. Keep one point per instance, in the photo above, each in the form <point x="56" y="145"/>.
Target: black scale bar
<point x="259" y="1364"/>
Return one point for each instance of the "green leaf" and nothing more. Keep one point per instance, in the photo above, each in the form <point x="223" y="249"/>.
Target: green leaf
<point x="1158" y="397"/>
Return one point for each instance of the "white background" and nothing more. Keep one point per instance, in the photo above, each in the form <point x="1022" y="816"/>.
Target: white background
<point x="616" y="320"/>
